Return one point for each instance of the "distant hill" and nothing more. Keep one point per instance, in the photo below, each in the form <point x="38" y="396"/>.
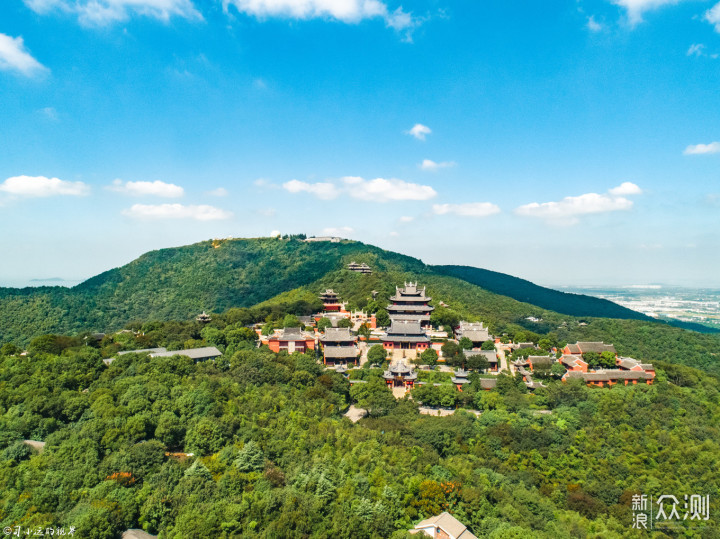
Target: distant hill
<point x="547" y="298"/>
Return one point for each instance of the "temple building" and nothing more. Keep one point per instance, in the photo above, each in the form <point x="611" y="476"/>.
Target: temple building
<point x="359" y="268"/>
<point x="203" y="318"/>
<point x="400" y="374"/>
<point x="476" y="332"/>
<point x="585" y="347"/>
<point x="490" y="356"/>
<point x="404" y="335"/>
<point x="410" y="304"/>
<point x="460" y="378"/>
<point x="291" y="340"/>
<point x="331" y="301"/>
<point x="339" y="346"/>
<point x="611" y="377"/>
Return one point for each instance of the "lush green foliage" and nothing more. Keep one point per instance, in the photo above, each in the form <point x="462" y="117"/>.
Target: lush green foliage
<point x="275" y="457"/>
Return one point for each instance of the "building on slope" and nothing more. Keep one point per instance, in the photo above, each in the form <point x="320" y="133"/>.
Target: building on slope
<point x="197" y="354"/>
<point x="404" y="335"/>
<point x="400" y="374"/>
<point x="611" y="377"/>
<point x="291" y="340"/>
<point x="580" y="348"/>
<point x="410" y="304"/>
<point x="490" y="356"/>
<point x="475" y="331"/>
<point x="331" y="301"/>
<point x="359" y="268"/>
<point x="339" y="346"/>
<point x="443" y="526"/>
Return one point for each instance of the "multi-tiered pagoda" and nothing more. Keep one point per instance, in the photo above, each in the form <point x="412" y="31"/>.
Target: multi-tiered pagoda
<point x="339" y="346"/>
<point x="410" y="304"/>
<point x="331" y="301"/>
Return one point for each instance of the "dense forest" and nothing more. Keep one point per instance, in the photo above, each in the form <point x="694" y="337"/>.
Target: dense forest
<point x="177" y="283"/>
<point x="273" y="455"/>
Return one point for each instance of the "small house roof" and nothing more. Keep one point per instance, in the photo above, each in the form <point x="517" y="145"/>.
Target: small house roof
<point x="143" y="350"/>
<point x="448" y="524"/>
<point x="490" y="355"/>
<point x="598" y="347"/>
<point x="488" y="383"/>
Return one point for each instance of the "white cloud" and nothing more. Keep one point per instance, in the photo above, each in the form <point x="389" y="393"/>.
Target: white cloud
<point x="712" y="16"/>
<point x="567" y="210"/>
<point x="636" y="8"/>
<point x="382" y="190"/>
<point x="419" y="131"/>
<point x="40" y="186"/>
<point x="323" y="190"/>
<point x="406" y="219"/>
<point x="468" y="209"/>
<point x="337" y="231"/>
<point x="103" y="12"/>
<point x="15" y="57"/>
<point x="176" y="211"/>
<point x="377" y="190"/>
<point x="219" y="192"/>
<point x="625" y="188"/>
<point x="432" y="166"/>
<point x="275" y="234"/>
<point x="156" y="188"/>
<point x="50" y="113"/>
<point x="699" y="149"/>
<point x="696" y="49"/>
<point x="347" y="11"/>
<point x="593" y="25"/>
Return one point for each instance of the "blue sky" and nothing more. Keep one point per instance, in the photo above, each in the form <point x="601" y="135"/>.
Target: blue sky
<point x="567" y="142"/>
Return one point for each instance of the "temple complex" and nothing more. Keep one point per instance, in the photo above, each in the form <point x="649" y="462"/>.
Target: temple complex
<point x="339" y="346"/>
<point x="410" y="304"/>
<point x="405" y="335"/>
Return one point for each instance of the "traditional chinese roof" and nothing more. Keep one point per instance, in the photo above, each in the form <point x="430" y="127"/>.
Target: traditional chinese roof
<point x="143" y="350"/>
<point x="329" y="295"/>
<point x="203" y="317"/>
<point x="585" y="347"/>
<point x="521" y="345"/>
<point x="206" y="352"/>
<point x="411" y="292"/>
<point x="451" y="526"/>
<point x="338" y="335"/>
<point x="400" y="331"/>
<point x="488" y="383"/>
<point x="460" y="377"/>
<point x="539" y="360"/>
<point x="475" y="331"/>
<point x="409" y="308"/>
<point x="572" y="361"/>
<point x="490" y="355"/>
<point x="290" y="334"/>
<point x="341" y="352"/>
<point x="401" y="369"/>
<point x="610" y="374"/>
<point x="628" y="363"/>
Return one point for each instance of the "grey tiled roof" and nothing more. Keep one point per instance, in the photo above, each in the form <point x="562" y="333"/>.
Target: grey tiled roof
<point x="143" y="350"/>
<point x="337" y="335"/>
<point x="341" y="352"/>
<point x="206" y="352"/>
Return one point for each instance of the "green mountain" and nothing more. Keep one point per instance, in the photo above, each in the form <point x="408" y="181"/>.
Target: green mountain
<point x="178" y="283"/>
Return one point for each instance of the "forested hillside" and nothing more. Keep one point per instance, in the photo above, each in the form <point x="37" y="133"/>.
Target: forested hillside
<point x="178" y="283"/>
<point x="274" y="457"/>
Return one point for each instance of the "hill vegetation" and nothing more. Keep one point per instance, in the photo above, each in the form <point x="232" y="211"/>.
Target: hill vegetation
<point x="274" y="457"/>
<point x="286" y="275"/>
